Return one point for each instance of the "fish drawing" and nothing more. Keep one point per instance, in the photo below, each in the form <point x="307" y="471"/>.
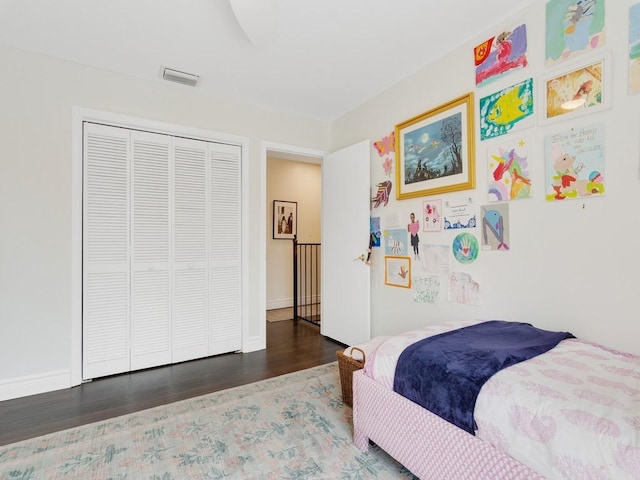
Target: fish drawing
<point x="492" y="221"/>
<point x="511" y="107"/>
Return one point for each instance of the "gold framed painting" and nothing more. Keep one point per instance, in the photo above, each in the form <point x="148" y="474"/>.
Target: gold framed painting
<point x="435" y="150"/>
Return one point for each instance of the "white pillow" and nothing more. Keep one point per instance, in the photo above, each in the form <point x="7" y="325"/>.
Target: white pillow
<point x="367" y="347"/>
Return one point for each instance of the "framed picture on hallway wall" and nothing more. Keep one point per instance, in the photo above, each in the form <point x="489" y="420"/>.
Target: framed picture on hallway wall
<point x="285" y="219"/>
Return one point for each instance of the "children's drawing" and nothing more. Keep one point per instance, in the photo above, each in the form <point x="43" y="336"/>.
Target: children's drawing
<point x="500" y="54"/>
<point x="509" y="170"/>
<point x="382" y="194"/>
<point x="426" y="289"/>
<point x="432" y="216"/>
<point x="573" y="27"/>
<point x="395" y="242"/>
<point x="387" y="145"/>
<point x="397" y="271"/>
<point x="374" y="228"/>
<point x="465" y="248"/>
<point x="575" y="163"/>
<point x="387" y="166"/>
<point x="634" y="49"/>
<point x="495" y="227"/>
<point x="500" y="112"/>
<point x="459" y="214"/>
<point x="436" y="259"/>
<point x="384" y="147"/>
<point x="413" y="227"/>
<point x="576" y="91"/>
<point x="463" y="289"/>
<point x="392" y="220"/>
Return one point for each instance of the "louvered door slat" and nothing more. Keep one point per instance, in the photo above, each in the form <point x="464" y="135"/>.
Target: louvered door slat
<point x="190" y="315"/>
<point x="190" y="241"/>
<point x="225" y="239"/>
<point x="151" y="227"/>
<point x="105" y="330"/>
<point x="150" y="329"/>
<point x="190" y="250"/>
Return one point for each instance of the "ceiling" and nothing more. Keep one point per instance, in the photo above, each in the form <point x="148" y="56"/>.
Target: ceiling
<point x="325" y="58"/>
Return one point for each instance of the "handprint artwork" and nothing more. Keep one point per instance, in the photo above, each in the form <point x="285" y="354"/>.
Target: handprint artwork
<point x="465" y="248"/>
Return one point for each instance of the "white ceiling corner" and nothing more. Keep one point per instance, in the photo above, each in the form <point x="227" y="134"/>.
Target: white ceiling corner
<point x="326" y="57"/>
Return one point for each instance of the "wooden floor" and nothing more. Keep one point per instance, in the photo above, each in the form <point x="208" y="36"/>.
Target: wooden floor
<point x="291" y="346"/>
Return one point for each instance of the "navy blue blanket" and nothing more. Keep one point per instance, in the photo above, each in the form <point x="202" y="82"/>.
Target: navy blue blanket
<point x="445" y="373"/>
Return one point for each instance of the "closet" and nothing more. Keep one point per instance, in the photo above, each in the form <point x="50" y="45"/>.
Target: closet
<point x="161" y="249"/>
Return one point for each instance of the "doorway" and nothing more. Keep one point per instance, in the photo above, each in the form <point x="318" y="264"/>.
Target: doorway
<point x="294" y="173"/>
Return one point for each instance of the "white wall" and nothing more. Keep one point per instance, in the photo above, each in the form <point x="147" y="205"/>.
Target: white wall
<point x="37" y="97"/>
<point x="572" y="265"/>
<point x="296" y="182"/>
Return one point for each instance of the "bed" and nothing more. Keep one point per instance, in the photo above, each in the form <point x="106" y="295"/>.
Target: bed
<point x="570" y="412"/>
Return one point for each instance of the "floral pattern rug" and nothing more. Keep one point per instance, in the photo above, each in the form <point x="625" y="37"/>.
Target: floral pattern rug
<point x="290" y="427"/>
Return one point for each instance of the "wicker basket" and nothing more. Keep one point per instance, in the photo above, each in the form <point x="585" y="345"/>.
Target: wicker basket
<point x="347" y="365"/>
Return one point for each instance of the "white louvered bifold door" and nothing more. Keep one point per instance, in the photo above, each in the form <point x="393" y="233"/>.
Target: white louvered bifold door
<point x="162" y="246"/>
<point x="189" y="250"/>
<point x="105" y="327"/>
<point x="225" y="248"/>
<point x="150" y="250"/>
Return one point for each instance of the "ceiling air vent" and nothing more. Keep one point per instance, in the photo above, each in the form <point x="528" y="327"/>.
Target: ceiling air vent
<point x="180" y="77"/>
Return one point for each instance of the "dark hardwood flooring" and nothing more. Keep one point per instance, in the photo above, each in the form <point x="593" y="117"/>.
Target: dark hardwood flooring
<point x="291" y="346"/>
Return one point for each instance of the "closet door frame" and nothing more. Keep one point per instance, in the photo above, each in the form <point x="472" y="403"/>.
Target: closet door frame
<point x="81" y="115"/>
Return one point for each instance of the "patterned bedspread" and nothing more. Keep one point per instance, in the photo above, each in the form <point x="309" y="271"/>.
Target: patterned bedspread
<point x="570" y="413"/>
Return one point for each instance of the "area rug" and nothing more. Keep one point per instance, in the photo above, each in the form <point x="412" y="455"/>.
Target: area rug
<point x="280" y="314"/>
<point x="290" y="427"/>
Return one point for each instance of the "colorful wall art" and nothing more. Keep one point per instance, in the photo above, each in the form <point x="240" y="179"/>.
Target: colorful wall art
<point x="509" y="170"/>
<point x="374" y="229"/>
<point x="397" y="271"/>
<point x="383" y="191"/>
<point x="575" y="163"/>
<point x="573" y="27"/>
<point x="500" y="112"/>
<point x="395" y="242"/>
<point x="435" y="151"/>
<point x="459" y="213"/>
<point x="426" y="288"/>
<point x="501" y="54"/>
<point x="463" y="289"/>
<point x="465" y="248"/>
<point x="634" y="49"/>
<point x="577" y="91"/>
<point x="385" y="148"/>
<point x="432" y="215"/>
<point x="495" y="227"/>
<point x="386" y="145"/>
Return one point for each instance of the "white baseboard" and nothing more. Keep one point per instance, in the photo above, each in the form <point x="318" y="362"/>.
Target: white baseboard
<point x="283" y="303"/>
<point x="288" y="302"/>
<point x="34" y="384"/>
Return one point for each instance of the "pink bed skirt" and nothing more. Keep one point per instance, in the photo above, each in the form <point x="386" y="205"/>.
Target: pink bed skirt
<point x="427" y="445"/>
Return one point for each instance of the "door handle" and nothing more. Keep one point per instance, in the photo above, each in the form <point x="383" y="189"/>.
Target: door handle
<point x="364" y="257"/>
